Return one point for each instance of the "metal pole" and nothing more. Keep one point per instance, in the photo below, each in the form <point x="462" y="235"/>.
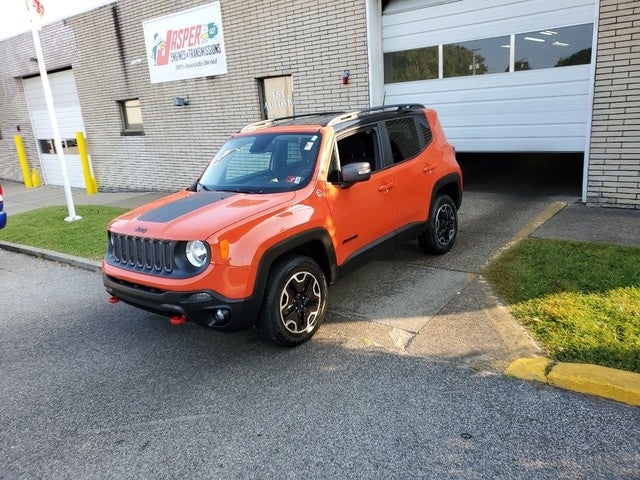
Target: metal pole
<point x="54" y="125"/>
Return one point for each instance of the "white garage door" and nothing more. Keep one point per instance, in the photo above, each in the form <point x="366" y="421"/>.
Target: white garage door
<point x="69" y="115"/>
<point x="504" y="75"/>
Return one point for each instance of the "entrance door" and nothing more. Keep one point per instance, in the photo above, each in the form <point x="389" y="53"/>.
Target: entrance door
<point x="67" y="106"/>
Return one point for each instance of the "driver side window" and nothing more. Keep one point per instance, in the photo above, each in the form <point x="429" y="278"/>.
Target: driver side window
<point x="359" y="146"/>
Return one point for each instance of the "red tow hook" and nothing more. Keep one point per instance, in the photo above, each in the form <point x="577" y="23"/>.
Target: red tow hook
<point x="177" y="320"/>
<point x="113" y="299"/>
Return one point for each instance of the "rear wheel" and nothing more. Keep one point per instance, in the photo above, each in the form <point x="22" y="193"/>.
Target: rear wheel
<point x="442" y="227"/>
<point x="295" y="301"/>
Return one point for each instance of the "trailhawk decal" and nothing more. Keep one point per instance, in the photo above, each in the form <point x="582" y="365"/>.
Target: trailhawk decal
<point x="173" y="210"/>
<point x="187" y="44"/>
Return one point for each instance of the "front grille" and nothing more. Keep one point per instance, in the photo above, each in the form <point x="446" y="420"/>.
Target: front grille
<point x="152" y="255"/>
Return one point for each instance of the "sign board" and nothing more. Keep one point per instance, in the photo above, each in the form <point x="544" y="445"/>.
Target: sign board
<point x="187" y="44"/>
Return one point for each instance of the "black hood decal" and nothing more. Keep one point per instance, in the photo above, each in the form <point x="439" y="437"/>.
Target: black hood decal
<point x="173" y="210"/>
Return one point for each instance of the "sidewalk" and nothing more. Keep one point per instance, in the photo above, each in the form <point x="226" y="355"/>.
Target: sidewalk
<point x="487" y="325"/>
<point x="19" y="199"/>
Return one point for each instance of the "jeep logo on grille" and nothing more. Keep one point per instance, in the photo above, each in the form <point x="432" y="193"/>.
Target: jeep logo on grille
<point x="141" y="230"/>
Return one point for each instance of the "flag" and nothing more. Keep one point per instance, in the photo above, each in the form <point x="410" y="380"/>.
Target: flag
<point x="36" y="11"/>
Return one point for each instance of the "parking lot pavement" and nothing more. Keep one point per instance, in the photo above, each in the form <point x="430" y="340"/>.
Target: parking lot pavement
<point x="93" y="390"/>
<point x="432" y="306"/>
<point x="439" y="306"/>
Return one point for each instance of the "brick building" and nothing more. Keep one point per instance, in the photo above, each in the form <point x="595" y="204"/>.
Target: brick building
<point x="614" y="161"/>
<point x="287" y="57"/>
<point x="308" y="44"/>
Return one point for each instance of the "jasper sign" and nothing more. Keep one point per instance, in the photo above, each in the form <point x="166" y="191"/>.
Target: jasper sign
<point x="186" y="44"/>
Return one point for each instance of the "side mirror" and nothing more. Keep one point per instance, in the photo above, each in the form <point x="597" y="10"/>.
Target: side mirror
<point x="356" y="172"/>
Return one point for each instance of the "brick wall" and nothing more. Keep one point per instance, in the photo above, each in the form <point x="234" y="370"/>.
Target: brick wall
<point x="311" y="40"/>
<point x="314" y="41"/>
<point x="614" y="167"/>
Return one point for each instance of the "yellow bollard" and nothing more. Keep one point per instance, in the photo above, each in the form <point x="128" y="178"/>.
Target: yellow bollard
<point x="89" y="182"/>
<point x="22" y="158"/>
<point x="35" y="178"/>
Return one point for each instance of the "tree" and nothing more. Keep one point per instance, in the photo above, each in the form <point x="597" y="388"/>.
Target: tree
<point x="460" y="61"/>
<point x="581" y="57"/>
<point x="410" y="65"/>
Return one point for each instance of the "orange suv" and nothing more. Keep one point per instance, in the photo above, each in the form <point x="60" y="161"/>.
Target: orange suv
<point x="284" y="209"/>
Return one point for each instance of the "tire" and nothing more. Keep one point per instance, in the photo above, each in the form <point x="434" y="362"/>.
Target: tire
<point x="295" y="301"/>
<point x="442" y="227"/>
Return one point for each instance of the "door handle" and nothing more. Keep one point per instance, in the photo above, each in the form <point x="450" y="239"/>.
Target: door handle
<point x="428" y="168"/>
<point x="385" y="188"/>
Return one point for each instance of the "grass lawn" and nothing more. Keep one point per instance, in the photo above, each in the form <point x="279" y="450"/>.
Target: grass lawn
<point x="46" y="228"/>
<point x="581" y="301"/>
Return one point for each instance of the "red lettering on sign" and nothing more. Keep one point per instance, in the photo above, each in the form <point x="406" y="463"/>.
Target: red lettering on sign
<point x="162" y="55"/>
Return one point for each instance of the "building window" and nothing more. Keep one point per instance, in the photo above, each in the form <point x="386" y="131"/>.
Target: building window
<point x="48" y="146"/>
<point x="410" y="65"/>
<point x="276" y="97"/>
<point x="477" y="57"/>
<point x="550" y="48"/>
<point x="554" y="47"/>
<point x="131" y="114"/>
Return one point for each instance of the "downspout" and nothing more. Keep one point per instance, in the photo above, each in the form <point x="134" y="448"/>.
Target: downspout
<point x="587" y="146"/>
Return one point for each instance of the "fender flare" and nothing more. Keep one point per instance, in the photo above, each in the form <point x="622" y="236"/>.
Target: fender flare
<point x="450" y="179"/>
<point x="299" y="243"/>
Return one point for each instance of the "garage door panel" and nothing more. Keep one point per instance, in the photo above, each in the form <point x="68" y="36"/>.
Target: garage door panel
<point x="551" y="130"/>
<point x="510" y="111"/>
<point x="524" y="145"/>
<point x="467" y="20"/>
<point x="69" y="116"/>
<point x="500" y="108"/>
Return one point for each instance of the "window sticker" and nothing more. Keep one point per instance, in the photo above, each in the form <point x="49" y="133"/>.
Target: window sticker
<point x="308" y="146"/>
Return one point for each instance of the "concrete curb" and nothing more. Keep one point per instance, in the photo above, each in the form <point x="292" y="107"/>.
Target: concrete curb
<point x="610" y="383"/>
<point x="84" y="263"/>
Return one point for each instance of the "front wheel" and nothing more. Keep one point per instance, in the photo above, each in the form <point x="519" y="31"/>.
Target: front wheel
<point x="442" y="227"/>
<point x="295" y="301"/>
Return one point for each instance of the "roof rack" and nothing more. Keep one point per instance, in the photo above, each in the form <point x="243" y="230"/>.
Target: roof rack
<point x="368" y="111"/>
<point x="272" y="121"/>
<point x="338" y="117"/>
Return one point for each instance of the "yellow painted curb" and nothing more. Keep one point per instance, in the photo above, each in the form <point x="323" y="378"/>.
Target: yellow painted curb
<point x="529" y="369"/>
<point x="618" y="385"/>
<point x="596" y="380"/>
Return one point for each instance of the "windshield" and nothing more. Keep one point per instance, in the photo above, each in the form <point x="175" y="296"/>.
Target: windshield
<point x="262" y="163"/>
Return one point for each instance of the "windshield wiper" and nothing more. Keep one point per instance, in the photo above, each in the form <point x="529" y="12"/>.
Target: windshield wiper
<point x="202" y="186"/>
<point x="238" y="190"/>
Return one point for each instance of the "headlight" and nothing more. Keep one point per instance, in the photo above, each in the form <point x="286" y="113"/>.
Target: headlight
<point x="197" y="253"/>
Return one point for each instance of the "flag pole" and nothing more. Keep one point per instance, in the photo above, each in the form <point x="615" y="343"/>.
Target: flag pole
<point x="50" y="107"/>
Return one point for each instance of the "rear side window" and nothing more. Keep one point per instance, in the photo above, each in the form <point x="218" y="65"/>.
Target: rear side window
<point x="403" y="138"/>
<point x="423" y="125"/>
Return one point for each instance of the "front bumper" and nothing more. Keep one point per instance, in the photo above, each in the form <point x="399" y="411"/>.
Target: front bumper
<point x="197" y="306"/>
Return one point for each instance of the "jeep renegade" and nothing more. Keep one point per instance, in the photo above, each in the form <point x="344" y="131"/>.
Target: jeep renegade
<point x="284" y="209"/>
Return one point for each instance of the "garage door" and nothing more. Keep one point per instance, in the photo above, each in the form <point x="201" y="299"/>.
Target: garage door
<point x="504" y="75"/>
<point x="69" y="115"/>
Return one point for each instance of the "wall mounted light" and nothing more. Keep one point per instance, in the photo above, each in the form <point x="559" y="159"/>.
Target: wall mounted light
<point x="345" y="77"/>
<point x="180" y="101"/>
